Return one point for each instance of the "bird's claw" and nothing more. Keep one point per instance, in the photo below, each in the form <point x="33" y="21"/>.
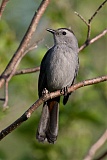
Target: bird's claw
<point x="65" y="90"/>
<point x="44" y="92"/>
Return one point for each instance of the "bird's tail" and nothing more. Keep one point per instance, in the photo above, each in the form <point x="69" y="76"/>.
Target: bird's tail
<point x="48" y="125"/>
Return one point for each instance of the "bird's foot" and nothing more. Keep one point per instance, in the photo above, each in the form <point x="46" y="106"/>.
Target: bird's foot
<point x="45" y="92"/>
<point x="64" y="91"/>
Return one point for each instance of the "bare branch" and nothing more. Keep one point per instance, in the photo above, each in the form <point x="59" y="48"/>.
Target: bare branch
<point x="33" y="46"/>
<point x="90" y="20"/>
<point x="44" y="98"/>
<point x="93" y="40"/>
<point x="21" y="51"/>
<point x="88" y="26"/>
<point x="87" y="42"/>
<point x="6" y="94"/>
<point x="98" y="9"/>
<point x="2" y="7"/>
<point x="27" y="71"/>
<point x="81" y="17"/>
<point x="96" y="146"/>
<point x="20" y="120"/>
<point x="98" y="36"/>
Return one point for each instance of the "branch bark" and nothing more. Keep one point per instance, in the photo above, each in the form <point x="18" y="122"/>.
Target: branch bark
<point x="96" y="146"/>
<point x="44" y="98"/>
<point x="27" y="71"/>
<point x="103" y="33"/>
<point x="2" y="7"/>
<point x="88" y="23"/>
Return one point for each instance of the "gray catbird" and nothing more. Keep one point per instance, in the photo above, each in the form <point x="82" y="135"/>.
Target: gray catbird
<point x="58" y="70"/>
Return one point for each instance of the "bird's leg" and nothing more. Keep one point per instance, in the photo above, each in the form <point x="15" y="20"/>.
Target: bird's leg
<point x="45" y="92"/>
<point x="65" y="90"/>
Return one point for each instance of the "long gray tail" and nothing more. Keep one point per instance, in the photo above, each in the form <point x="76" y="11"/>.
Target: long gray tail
<point x="48" y="125"/>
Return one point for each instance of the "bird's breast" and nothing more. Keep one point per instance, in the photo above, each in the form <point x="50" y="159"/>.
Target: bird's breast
<point x="61" y="68"/>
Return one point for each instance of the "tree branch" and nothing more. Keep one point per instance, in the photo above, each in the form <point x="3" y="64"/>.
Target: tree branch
<point x="46" y="97"/>
<point x="88" y="41"/>
<point x="93" y="40"/>
<point x="27" y="71"/>
<point x="98" y="9"/>
<point x="21" y="51"/>
<point x="2" y="7"/>
<point x="6" y="94"/>
<point x="81" y="17"/>
<point x="96" y="146"/>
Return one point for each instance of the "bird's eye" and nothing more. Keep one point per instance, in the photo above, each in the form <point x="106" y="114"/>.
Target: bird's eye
<point x="64" y="33"/>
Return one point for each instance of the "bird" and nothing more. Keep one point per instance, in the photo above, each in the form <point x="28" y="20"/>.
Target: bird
<point x="58" y="70"/>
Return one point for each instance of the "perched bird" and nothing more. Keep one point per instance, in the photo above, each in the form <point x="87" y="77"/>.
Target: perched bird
<point x="58" y="70"/>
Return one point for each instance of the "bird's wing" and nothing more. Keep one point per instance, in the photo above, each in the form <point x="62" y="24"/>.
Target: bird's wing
<point x="42" y="83"/>
<point x="65" y="99"/>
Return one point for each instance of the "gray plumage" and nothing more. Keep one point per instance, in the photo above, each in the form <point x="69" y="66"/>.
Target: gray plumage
<point x="58" y="70"/>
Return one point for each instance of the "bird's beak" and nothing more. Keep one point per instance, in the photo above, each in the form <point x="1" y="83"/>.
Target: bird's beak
<point x="50" y="30"/>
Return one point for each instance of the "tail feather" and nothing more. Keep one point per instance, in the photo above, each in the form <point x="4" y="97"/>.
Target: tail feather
<point x="43" y="124"/>
<point x="48" y="125"/>
<point x="52" y="130"/>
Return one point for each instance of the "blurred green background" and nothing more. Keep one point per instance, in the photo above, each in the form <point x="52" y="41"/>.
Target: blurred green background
<point x="84" y="118"/>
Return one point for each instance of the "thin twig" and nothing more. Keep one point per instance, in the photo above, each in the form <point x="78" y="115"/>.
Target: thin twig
<point x="81" y="17"/>
<point x="90" y="20"/>
<point x="27" y="71"/>
<point x="6" y="94"/>
<point x="33" y="46"/>
<point x="44" y="98"/>
<point x="87" y="42"/>
<point x="2" y="7"/>
<point x="93" y="40"/>
<point x="98" y="36"/>
<point x="88" y="33"/>
<point x="20" y="72"/>
<point x="96" y="146"/>
<point x="98" y="9"/>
